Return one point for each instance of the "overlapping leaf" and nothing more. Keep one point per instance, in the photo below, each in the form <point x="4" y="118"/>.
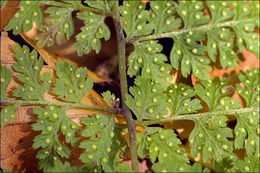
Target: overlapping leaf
<point x="251" y="87"/>
<point x="147" y="60"/>
<point x="247" y="127"/>
<point x="134" y="19"/>
<point x="209" y="137"/>
<point x="58" y="25"/>
<point x="6" y="76"/>
<point x="188" y="55"/>
<point x="91" y="34"/>
<point x="214" y="94"/>
<point x="218" y="39"/>
<point x="34" y="84"/>
<point x="102" y="149"/>
<point x="248" y="16"/>
<point x="51" y="121"/>
<point x="179" y="100"/>
<point x="29" y="12"/>
<point x="160" y="143"/>
<point x="71" y="84"/>
<point x="147" y="100"/>
<point x="162" y="16"/>
<point x="225" y="165"/>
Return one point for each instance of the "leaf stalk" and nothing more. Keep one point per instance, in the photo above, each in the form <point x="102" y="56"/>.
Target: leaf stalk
<point x="174" y="33"/>
<point x="197" y="116"/>
<point x="124" y="89"/>
<point x="62" y="104"/>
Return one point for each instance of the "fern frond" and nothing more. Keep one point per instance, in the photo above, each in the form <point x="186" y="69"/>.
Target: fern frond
<point x="249" y="164"/>
<point x="71" y="84"/>
<point x="173" y="166"/>
<point x="147" y="61"/>
<point x="247" y="127"/>
<point x="162" y="16"/>
<point x="209" y="138"/>
<point x="160" y="143"/>
<point x="58" y="25"/>
<point x="7" y="114"/>
<point x="109" y="98"/>
<point x="102" y="149"/>
<point x="179" y="100"/>
<point x="91" y="34"/>
<point x="52" y="120"/>
<point x="214" y="93"/>
<point x="6" y="76"/>
<point x="29" y="12"/>
<point x="147" y="100"/>
<point x="134" y="19"/>
<point x="33" y="85"/>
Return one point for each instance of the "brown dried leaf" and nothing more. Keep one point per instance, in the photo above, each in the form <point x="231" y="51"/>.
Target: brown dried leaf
<point x="8" y="11"/>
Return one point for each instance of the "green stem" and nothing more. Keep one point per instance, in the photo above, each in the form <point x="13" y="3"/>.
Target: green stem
<point x="176" y="33"/>
<point x="63" y="104"/>
<point x="197" y="116"/>
<point x="124" y="90"/>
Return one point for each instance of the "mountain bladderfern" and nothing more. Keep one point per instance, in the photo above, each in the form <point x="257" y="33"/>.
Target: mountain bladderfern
<point x="203" y="34"/>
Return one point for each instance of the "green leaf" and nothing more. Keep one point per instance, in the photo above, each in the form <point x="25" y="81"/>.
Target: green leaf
<point x="247" y="127"/>
<point x="160" y="143"/>
<point x="147" y="60"/>
<point x="109" y="98"/>
<point x="245" y="30"/>
<point x="225" y="165"/>
<point x="251" y="87"/>
<point x="134" y="19"/>
<point x="71" y="84"/>
<point x="33" y="85"/>
<point x="51" y="121"/>
<point x="91" y="34"/>
<point x="64" y="167"/>
<point x="179" y="100"/>
<point x="209" y="138"/>
<point x="6" y="76"/>
<point x="188" y="55"/>
<point x="247" y="132"/>
<point x="192" y="13"/>
<point x="103" y="5"/>
<point x="29" y="12"/>
<point x="7" y="114"/>
<point x="249" y="164"/>
<point x="123" y="168"/>
<point x="58" y="25"/>
<point x="105" y="141"/>
<point x="147" y="100"/>
<point x="214" y="94"/>
<point x="162" y="16"/>
<point x="175" y="166"/>
<point x="219" y="42"/>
